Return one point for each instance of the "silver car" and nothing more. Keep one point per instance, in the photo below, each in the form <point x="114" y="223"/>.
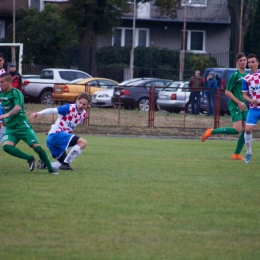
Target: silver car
<point x="174" y="96"/>
<point x="102" y="98"/>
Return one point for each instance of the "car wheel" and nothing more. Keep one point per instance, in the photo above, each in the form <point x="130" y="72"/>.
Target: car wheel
<point x="46" y="98"/>
<point x="144" y="104"/>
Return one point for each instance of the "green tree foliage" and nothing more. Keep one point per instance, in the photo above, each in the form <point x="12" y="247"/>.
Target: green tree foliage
<point x="46" y="35"/>
<point x="252" y="43"/>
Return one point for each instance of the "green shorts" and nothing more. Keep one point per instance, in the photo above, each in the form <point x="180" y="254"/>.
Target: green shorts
<point x="236" y="114"/>
<point x="22" y="132"/>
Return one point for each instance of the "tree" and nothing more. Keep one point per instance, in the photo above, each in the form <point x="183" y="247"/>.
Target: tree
<point x="46" y="35"/>
<point x="252" y="43"/>
<point x="234" y="10"/>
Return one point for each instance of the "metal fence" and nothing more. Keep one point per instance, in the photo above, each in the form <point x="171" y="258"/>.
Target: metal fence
<point x="120" y="121"/>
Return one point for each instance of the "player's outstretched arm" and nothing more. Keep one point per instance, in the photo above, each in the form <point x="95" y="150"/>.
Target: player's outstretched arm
<point x="47" y="111"/>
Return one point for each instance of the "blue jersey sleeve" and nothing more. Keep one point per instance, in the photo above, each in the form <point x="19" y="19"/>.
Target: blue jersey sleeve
<point x="63" y="110"/>
<point x="244" y="86"/>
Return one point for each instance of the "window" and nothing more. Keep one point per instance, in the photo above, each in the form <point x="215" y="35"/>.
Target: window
<point x="195" y="41"/>
<point x="194" y="2"/>
<point x="2" y="29"/>
<point x="123" y="37"/>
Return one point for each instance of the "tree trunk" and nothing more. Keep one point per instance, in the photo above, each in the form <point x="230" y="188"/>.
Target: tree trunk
<point x="234" y="10"/>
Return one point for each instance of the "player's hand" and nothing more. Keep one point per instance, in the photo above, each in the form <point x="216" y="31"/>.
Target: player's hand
<point x="34" y="115"/>
<point x="242" y="106"/>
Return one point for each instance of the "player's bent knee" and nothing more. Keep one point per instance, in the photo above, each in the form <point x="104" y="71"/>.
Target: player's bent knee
<point x="82" y="143"/>
<point x="37" y="149"/>
<point x="7" y="148"/>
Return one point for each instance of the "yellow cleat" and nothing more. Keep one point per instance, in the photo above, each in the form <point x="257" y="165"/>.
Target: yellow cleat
<point x="237" y="157"/>
<point x="207" y="134"/>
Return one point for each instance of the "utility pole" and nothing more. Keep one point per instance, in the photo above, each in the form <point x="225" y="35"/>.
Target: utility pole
<point x="182" y="54"/>
<point x="133" y="44"/>
<point x="240" y="26"/>
<point x="13" y="48"/>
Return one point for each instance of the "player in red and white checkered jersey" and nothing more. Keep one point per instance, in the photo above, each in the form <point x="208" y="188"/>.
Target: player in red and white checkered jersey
<point x="60" y="136"/>
<point x="251" y="93"/>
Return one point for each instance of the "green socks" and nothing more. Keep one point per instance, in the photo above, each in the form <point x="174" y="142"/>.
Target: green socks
<point x="225" y="131"/>
<point x="16" y="152"/>
<point x="240" y="142"/>
<point x="44" y="157"/>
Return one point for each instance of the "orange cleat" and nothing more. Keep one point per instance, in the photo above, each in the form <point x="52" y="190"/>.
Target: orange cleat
<point x="236" y="156"/>
<point x="207" y="134"/>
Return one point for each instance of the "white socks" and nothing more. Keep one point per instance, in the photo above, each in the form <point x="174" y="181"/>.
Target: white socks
<point x="74" y="152"/>
<point x="248" y="143"/>
<point x="2" y="131"/>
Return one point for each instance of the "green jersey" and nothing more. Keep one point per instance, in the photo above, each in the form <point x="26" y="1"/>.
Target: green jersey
<point x="235" y="87"/>
<point x="9" y="101"/>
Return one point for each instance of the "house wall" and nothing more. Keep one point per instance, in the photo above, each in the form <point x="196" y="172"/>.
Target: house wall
<point x="169" y="35"/>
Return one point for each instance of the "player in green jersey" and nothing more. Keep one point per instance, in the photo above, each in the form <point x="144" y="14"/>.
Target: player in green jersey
<point x="17" y="125"/>
<point x="237" y="107"/>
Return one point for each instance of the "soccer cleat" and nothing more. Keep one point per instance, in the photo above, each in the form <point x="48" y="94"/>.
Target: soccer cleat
<point x="207" y="134"/>
<point x="236" y="156"/>
<point x="31" y="163"/>
<point x="41" y="165"/>
<point x="66" y="167"/>
<point x="53" y="172"/>
<point x="248" y="158"/>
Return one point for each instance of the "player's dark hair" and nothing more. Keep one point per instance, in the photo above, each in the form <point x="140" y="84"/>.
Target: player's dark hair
<point x="7" y="75"/>
<point x="240" y="55"/>
<point x="2" y="55"/>
<point x="84" y="95"/>
<point x="250" y="56"/>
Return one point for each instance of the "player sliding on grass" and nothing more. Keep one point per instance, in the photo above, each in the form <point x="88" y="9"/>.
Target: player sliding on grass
<point x="237" y="107"/>
<point x="60" y="136"/>
<point x="17" y="125"/>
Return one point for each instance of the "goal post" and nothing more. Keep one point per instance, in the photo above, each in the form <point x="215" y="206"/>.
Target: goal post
<point x="20" y="59"/>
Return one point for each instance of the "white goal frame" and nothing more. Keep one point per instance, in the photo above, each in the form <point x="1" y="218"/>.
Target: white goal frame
<point x="20" y="45"/>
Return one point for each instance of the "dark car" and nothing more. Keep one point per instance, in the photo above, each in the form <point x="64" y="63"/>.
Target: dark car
<point x="135" y="94"/>
<point x="221" y="75"/>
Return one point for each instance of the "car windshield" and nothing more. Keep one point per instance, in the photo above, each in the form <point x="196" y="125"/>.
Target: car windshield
<point x="172" y="87"/>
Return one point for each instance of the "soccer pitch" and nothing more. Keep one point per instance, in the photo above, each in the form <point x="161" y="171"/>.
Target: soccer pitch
<point x="133" y="198"/>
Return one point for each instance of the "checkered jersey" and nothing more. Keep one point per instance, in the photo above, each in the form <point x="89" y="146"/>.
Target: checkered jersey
<point x="68" y="118"/>
<point x="251" y="84"/>
<point x="2" y="70"/>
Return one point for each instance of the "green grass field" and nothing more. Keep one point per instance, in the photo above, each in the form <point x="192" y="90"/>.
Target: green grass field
<point x="133" y="198"/>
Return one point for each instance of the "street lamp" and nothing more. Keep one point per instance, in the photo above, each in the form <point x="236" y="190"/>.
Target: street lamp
<point x="133" y="44"/>
<point x="240" y="27"/>
<point x="182" y="54"/>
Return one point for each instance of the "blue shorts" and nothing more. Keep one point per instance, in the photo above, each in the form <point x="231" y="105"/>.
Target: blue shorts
<point x="58" y="143"/>
<point x="253" y="116"/>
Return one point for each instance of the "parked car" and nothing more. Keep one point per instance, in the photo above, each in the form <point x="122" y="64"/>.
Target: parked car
<point x="174" y="97"/>
<point x="70" y="91"/>
<point x="41" y="88"/>
<point x="102" y="98"/>
<point x="221" y="75"/>
<point x="135" y="94"/>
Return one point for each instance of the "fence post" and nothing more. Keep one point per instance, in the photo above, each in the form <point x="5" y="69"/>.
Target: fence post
<point x="217" y="108"/>
<point x="151" y="107"/>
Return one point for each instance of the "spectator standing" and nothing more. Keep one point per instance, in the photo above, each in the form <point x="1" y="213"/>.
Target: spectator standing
<point x="17" y="79"/>
<point x="211" y="86"/>
<point x="251" y="93"/>
<point x="195" y="86"/>
<point x="237" y="108"/>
